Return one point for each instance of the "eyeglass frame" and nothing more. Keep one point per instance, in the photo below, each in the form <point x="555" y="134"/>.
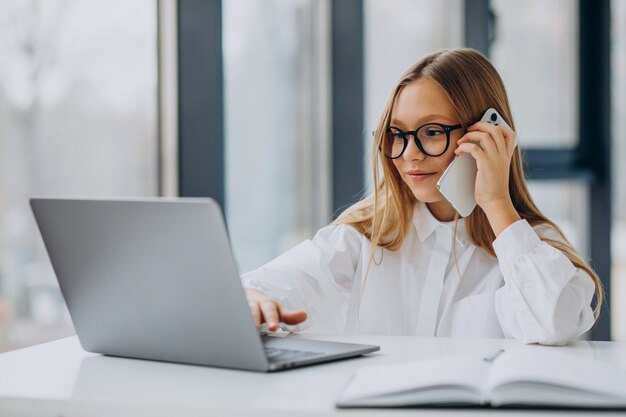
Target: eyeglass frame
<point x="447" y="128"/>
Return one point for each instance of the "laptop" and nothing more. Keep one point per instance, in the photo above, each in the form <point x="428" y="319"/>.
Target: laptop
<point x="155" y="278"/>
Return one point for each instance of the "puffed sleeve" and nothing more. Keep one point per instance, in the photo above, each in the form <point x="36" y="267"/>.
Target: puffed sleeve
<point x="545" y="298"/>
<point x="315" y="276"/>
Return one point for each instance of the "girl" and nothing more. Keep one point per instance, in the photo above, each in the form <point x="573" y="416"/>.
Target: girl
<point x="401" y="262"/>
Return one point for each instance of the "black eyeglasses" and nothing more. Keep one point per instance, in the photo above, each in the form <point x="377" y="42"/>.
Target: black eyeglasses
<point x="433" y="139"/>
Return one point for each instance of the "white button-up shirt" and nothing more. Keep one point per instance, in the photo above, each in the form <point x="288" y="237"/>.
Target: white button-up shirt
<point x="530" y="292"/>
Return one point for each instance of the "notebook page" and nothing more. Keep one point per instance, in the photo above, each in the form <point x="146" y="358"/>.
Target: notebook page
<point x="452" y="372"/>
<point x="537" y="394"/>
<point x="552" y="366"/>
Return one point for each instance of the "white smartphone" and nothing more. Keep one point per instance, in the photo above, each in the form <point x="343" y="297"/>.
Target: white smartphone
<point x="458" y="182"/>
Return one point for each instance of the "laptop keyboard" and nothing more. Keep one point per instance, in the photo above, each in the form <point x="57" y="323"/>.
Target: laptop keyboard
<point x="278" y="355"/>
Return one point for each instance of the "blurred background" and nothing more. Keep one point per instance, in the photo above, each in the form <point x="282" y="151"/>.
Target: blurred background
<point x="265" y="105"/>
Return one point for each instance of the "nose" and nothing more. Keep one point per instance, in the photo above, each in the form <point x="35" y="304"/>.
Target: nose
<point x="412" y="152"/>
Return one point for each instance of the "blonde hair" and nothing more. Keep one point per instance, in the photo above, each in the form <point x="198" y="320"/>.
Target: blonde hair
<point x="473" y="85"/>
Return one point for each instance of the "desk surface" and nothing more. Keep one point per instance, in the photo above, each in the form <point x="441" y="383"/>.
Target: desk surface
<point x="61" y="378"/>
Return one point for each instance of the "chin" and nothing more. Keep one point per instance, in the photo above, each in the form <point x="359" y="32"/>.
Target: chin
<point x="427" y="196"/>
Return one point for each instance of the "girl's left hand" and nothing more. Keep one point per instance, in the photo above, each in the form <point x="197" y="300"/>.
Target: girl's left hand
<point x="492" y="146"/>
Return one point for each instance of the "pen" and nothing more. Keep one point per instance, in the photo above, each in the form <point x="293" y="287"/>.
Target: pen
<point x="493" y="356"/>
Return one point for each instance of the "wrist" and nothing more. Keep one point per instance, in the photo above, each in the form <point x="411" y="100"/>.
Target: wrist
<point x="497" y="205"/>
<point x="501" y="214"/>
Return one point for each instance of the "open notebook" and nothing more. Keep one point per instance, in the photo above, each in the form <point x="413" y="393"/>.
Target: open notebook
<point x="530" y="376"/>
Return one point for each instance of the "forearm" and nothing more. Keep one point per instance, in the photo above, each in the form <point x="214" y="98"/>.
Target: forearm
<point x="545" y="299"/>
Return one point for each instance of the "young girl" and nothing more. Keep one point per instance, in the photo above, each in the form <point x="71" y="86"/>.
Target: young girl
<point x="401" y="262"/>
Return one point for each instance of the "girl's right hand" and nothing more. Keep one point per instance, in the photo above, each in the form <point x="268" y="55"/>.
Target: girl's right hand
<point x="266" y="310"/>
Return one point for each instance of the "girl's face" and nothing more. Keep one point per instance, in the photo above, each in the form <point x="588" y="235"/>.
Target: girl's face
<point x="418" y="103"/>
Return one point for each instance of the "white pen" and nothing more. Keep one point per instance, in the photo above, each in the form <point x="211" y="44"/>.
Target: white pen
<point x="493" y="356"/>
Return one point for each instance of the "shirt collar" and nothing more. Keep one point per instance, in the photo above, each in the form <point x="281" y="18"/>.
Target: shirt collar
<point x="425" y="224"/>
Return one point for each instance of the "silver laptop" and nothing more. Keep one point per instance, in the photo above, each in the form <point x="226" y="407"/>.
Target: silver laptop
<point x="156" y="279"/>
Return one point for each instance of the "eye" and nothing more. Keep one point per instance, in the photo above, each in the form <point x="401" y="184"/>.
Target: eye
<point x="434" y="131"/>
<point x="395" y="135"/>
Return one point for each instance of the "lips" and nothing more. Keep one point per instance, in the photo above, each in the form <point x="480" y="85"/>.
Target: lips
<point x="419" y="175"/>
<point x="418" y="172"/>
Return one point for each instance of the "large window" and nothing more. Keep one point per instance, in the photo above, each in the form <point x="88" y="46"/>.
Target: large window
<point x="536" y="53"/>
<point x="618" y="84"/>
<point x="276" y="93"/>
<point x="78" y="103"/>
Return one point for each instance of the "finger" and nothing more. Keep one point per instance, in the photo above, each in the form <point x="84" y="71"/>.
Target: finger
<point x="471" y="148"/>
<point x="270" y="315"/>
<point x="291" y="317"/>
<point x="511" y="141"/>
<point x="497" y="135"/>
<point x="256" y="313"/>
<point x="483" y="139"/>
<point x="496" y="131"/>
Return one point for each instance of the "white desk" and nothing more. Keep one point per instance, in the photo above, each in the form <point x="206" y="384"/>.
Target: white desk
<point x="59" y="378"/>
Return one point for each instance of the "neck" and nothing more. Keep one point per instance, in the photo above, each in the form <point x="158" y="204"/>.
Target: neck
<point x="442" y="211"/>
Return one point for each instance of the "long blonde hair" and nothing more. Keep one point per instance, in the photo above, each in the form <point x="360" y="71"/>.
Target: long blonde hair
<point x="473" y="85"/>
